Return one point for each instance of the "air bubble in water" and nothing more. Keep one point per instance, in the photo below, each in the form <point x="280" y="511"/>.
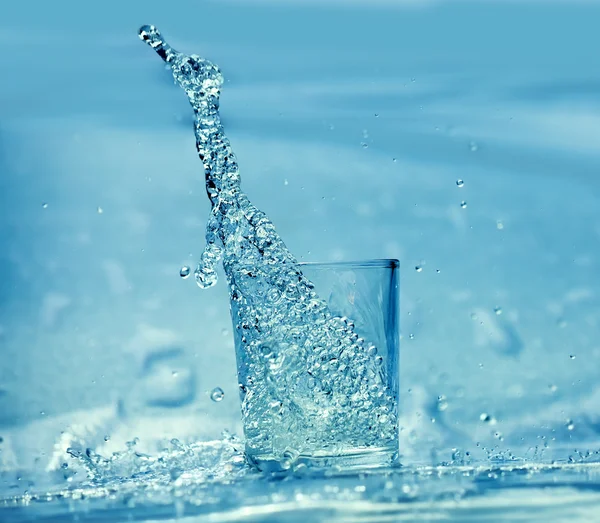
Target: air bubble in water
<point x="473" y="146"/>
<point x="463" y="205"/>
<point x="460" y="183"/>
<point x="419" y="268"/>
<point x="184" y="272"/>
<point x="217" y="394"/>
<point x="498" y="310"/>
<point x="44" y="206"/>
<point x="99" y="210"/>
<point x="572" y="356"/>
<point x="570" y="425"/>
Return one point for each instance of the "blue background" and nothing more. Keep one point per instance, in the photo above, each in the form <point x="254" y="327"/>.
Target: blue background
<point x="352" y="123"/>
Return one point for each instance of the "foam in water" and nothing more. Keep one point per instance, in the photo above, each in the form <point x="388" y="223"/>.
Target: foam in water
<point x="309" y="383"/>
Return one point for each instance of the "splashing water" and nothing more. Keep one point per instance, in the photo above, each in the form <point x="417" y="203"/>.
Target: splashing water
<point x="309" y="384"/>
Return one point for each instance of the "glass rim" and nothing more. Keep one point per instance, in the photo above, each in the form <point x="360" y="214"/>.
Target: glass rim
<point x="379" y="263"/>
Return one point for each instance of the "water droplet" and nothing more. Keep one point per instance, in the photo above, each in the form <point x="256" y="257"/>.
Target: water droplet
<point x="184" y="272"/>
<point x="285" y="182"/>
<point x="376" y="115"/>
<point x="217" y="394"/>
<point x="175" y="473"/>
<point x="107" y="438"/>
<point x="65" y="466"/>
<point x="473" y="146"/>
<point x="486" y="418"/>
<point x="99" y="210"/>
<point x="418" y="268"/>
<point x="411" y="336"/>
<point x="499" y="225"/>
<point x="155" y="387"/>
<point x="572" y="356"/>
<point x="570" y="425"/>
<point x="175" y="373"/>
<point x="553" y="388"/>
<point x="498" y="310"/>
<point x="394" y="160"/>
<point x="442" y="404"/>
<point x="463" y="205"/>
<point x="460" y="183"/>
<point x="44" y="205"/>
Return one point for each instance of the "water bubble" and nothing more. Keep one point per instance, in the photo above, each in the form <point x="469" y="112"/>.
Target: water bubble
<point x="553" y="388"/>
<point x="570" y="425"/>
<point x="224" y="332"/>
<point x="572" y="356"/>
<point x="460" y="183"/>
<point x="217" y="394"/>
<point x="499" y="225"/>
<point x="65" y="466"/>
<point x="419" y="268"/>
<point x="99" y="210"/>
<point x="498" y="310"/>
<point x="394" y="160"/>
<point x="107" y="438"/>
<point x="463" y="205"/>
<point x="44" y="205"/>
<point x="184" y="272"/>
<point x="473" y="146"/>
<point x="285" y="182"/>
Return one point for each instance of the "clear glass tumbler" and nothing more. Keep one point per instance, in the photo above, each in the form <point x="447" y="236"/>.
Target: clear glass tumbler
<point x="346" y="416"/>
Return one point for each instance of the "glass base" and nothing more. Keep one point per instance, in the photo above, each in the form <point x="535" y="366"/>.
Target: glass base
<point x="323" y="463"/>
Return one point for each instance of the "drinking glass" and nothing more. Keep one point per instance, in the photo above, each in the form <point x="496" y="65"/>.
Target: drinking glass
<point x="364" y="295"/>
